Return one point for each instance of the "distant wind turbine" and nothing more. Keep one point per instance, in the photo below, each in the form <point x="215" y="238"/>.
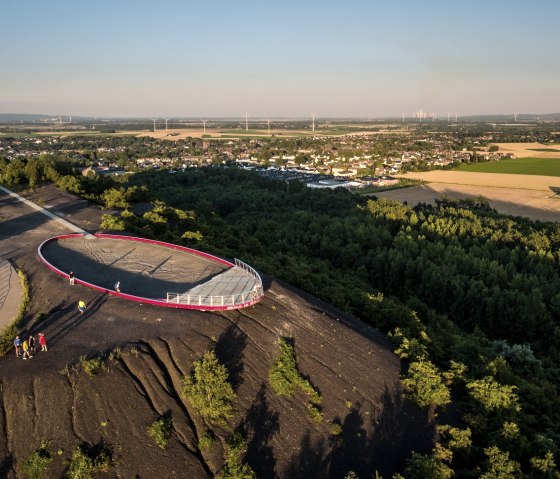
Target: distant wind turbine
<point x="166" y="119"/>
<point x="204" y="125"/>
<point x="154" y="120"/>
<point x="246" y="122"/>
<point x="313" y="115"/>
<point x="268" y="123"/>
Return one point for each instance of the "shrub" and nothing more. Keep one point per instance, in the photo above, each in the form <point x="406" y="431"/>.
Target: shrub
<point x="336" y="429"/>
<point x="234" y="468"/>
<point x="207" y="440"/>
<point x="209" y="390"/>
<point x="112" y="223"/>
<point x="160" y="431"/>
<point x="314" y="413"/>
<point x="84" y="464"/>
<point x="285" y="378"/>
<point x="37" y="462"/>
<point x="92" y="366"/>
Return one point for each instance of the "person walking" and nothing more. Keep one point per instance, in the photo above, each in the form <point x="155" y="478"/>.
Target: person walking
<point x="26" y="354"/>
<point x="31" y="342"/>
<point x="118" y="286"/>
<point x="81" y="306"/>
<point x="42" y="342"/>
<point x="17" y="345"/>
<point x="71" y="278"/>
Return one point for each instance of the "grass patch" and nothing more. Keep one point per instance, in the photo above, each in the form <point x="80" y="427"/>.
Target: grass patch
<point x="516" y="166"/>
<point x="37" y="462"/>
<point x="160" y="431"/>
<point x="285" y="379"/>
<point x="9" y="333"/>
<point x="92" y="366"/>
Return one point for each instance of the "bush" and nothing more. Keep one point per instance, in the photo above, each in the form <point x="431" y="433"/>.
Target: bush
<point x="112" y="223"/>
<point x="336" y="429"/>
<point x="285" y="378"/>
<point x="37" y="462"/>
<point x="207" y="440"/>
<point x="92" y="366"/>
<point x="209" y="390"/>
<point x="160" y="431"/>
<point x="84" y="464"/>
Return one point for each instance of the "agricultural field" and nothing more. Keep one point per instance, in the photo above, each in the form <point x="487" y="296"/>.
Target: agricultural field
<point x="517" y="166"/>
<point x="531" y="196"/>
<point x="530" y="150"/>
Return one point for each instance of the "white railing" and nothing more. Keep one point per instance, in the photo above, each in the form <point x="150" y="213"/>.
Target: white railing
<point x="230" y="300"/>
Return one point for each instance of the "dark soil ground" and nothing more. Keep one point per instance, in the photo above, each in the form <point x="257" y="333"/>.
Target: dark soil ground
<point x="51" y="398"/>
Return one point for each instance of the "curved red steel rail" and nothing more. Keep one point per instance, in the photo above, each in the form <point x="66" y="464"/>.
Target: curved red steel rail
<point x="140" y="299"/>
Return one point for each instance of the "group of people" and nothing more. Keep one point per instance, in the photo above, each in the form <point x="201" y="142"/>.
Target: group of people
<point x="26" y="348"/>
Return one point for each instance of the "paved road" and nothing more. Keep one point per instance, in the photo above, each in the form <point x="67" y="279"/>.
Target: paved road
<point x="10" y="293"/>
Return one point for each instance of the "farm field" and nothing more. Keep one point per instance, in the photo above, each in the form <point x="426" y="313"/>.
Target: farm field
<point x="529" y="150"/>
<point x="531" y="196"/>
<point x="517" y="166"/>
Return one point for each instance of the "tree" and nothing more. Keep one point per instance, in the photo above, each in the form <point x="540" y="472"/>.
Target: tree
<point x="493" y="395"/>
<point x="114" y="198"/>
<point x="209" y="390"/>
<point x="500" y="466"/>
<point x="234" y="468"/>
<point x="425" y="384"/>
<point x="427" y="467"/>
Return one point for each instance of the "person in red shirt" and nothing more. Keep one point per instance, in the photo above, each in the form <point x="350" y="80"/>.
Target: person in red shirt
<point x="42" y="342"/>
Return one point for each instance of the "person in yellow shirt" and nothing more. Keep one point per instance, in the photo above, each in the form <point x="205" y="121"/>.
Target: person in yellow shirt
<point x="26" y="354"/>
<point x="81" y="306"/>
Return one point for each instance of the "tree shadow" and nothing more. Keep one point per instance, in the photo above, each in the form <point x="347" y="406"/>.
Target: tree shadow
<point x="381" y="443"/>
<point x="261" y="425"/>
<point x="6" y="466"/>
<point x="70" y="322"/>
<point x="311" y="461"/>
<point x="352" y="449"/>
<point x="400" y="428"/>
<point x="229" y="350"/>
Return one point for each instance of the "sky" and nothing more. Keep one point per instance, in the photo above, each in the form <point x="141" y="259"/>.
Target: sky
<point x="289" y="58"/>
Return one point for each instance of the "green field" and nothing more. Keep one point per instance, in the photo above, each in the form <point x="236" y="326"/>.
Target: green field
<point x="517" y="166"/>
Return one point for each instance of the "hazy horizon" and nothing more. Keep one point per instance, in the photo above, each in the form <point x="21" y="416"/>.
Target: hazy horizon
<point x="357" y="60"/>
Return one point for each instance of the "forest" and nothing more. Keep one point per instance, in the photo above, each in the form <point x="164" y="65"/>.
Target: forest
<point x="471" y="298"/>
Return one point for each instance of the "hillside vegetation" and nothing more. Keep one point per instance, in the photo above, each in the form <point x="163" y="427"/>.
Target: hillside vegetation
<point x="471" y="298"/>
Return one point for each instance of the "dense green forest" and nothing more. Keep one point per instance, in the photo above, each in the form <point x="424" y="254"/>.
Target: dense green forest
<point x="471" y="298"/>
